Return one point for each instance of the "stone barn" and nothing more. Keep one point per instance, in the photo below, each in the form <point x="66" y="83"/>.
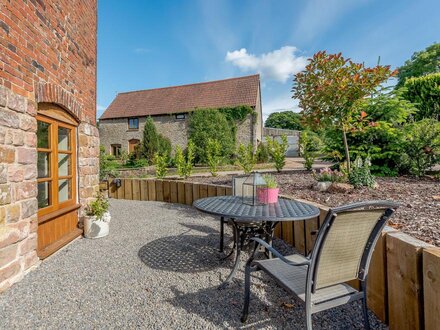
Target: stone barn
<point x="122" y="124"/>
<point x="49" y="142"/>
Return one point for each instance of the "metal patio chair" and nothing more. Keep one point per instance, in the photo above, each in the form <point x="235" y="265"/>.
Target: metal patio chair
<point x="342" y="252"/>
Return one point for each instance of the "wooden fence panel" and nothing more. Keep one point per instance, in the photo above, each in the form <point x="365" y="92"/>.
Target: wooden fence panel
<point x="151" y="190"/>
<point x="188" y="194"/>
<point x="136" y="189"/>
<point x="112" y="193"/>
<point x="120" y="191"/>
<point x="173" y="191"/>
<point x="166" y="191"/>
<point x="181" y="192"/>
<point x="431" y="283"/>
<point x="159" y="190"/>
<point x="128" y="189"/>
<point x="228" y="191"/>
<point x="287" y="229"/>
<point x="144" y="190"/>
<point x="203" y="191"/>
<point x="212" y="190"/>
<point x="221" y="191"/>
<point x="299" y="239"/>
<point x="196" y="191"/>
<point x="405" y="281"/>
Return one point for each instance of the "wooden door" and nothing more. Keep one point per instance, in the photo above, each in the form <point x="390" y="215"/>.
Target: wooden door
<point x="57" y="179"/>
<point x="132" y="145"/>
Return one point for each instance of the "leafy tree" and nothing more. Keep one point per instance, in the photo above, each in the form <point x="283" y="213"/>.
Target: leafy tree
<point x="421" y="146"/>
<point x="153" y="142"/>
<point x="246" y="158"/>
<point x="329" y="88"/>
<point x="424" y="92"/>
<point x="184" y="163"/>
<point x="310" y="145"/>
<point x="285" y="120"/>
<point x="262" y="153"/>
<point x="420" y="64"/>
<point x="277" y="151"/>
<point x="214" y="155"/>
<point x="210" y="124"/>
<point x="161" y="163"/>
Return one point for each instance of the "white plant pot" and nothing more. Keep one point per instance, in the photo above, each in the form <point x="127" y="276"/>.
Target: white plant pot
<point x="96" y="228"/>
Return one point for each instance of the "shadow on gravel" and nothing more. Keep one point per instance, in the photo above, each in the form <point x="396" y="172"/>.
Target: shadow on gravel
<point x="183" y="253"/>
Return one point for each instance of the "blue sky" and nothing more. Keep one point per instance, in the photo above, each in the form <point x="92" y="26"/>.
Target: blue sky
<point x="150" y="44"/>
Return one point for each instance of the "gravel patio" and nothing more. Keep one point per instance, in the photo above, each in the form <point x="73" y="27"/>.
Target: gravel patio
<point x="159" y="268"/>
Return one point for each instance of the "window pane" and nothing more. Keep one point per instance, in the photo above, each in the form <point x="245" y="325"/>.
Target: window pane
<point x="63" y="164"/>
<point x="63" y="138"/>
<point x="43" y="164"/>
<point x="43" y="196"/>
<point x="63" y="190"/>
<point x="43" y="130"/>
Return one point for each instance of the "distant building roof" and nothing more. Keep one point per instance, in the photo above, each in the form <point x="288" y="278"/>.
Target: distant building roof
<point x="213" y="94"/>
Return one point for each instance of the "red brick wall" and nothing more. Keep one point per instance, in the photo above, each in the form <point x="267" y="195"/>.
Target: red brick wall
<point x="50" y="41"/>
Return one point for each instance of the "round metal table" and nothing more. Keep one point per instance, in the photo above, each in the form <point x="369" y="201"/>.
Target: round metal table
<point x="253" y="221"/>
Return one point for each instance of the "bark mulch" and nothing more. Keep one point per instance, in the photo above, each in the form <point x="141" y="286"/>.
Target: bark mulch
<point x="418" y="216"/>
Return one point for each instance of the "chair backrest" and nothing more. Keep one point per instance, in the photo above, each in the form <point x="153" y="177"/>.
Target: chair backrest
<point x="237" y="185"/>
<point x="346" y="241"/>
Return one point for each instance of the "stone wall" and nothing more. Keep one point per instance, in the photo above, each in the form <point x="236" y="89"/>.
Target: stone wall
<point x="48" y="54"/>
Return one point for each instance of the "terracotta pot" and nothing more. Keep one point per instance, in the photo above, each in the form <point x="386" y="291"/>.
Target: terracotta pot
<point x="268" y="195"/>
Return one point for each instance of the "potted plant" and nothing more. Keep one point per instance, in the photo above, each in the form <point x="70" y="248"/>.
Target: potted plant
<point x="97" y="219"/>
<point x="269" y="195"/>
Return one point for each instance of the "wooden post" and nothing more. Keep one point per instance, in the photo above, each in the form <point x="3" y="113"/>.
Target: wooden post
<point x="431" y="290"/>
<point x="144" y="189"/>
<point x="159" y="190"/>
<point x="196" y="191"/>
<point x="212" y="190"/>
<point x="136" y="190"/>
<point x="287" y="229"/>
<point x="128" y="189"/>
<point x="113" y="191"/>
<point x="221" y="191"/>
<point x="203" y="191"/>
<point x="166" y="191"/>
<point x="120" y="190"/>
<point x="228" y="191"/>
<point x="151" y="190"/>
<point x="405" y="281"/>
<point x="173" y="191"/>
<point x="377" y="288"/>
<point x="181" y="192"/>
<point x="298" y="229"/>
<point x="188" y="193"/>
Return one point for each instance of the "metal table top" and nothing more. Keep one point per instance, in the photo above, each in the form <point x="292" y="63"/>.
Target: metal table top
<point x="233" y="207"/>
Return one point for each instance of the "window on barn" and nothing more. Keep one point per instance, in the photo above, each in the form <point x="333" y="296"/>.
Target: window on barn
<point x="116" y="150"/>
<point x="180" y="116"/>
<point x="133" y="123"/>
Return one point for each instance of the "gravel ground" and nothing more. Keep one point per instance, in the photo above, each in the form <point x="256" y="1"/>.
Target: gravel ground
<point x="160" y="269"/>
<point x="418" y="215"/>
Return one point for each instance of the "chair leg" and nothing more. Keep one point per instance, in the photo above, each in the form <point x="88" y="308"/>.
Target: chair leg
<point x="247" y="292"/>
<point x="308" y="320"/>
<point x="364" y="305"/>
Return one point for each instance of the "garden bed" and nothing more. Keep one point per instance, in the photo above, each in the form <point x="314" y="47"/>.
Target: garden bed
<point x="419" y="214"/>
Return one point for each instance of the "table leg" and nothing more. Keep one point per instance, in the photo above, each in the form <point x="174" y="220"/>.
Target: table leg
<point x="238" y="247"/>
<point x="222" y="233"/>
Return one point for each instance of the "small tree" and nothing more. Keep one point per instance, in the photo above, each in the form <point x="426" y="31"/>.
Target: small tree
<point x="153" y="142"/>
<point x="246" y="158"/>
<point x="213" y="154"/>
<point x="277" y="152"/>
<point x="161" y="163"/>
<point x="184" y="164"/>
<point x="329" y="88"/>
<point x="309" y="145"/>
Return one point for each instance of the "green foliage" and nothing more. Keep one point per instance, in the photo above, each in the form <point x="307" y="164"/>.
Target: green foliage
<point x="238" y="113"/>
<point x="153" y="142"/>
<point x="310" y="145"/>
<point x="210" y="124"/>
<point x="424" y="92"/>
<point x="361" y="176"/>
<point x="284" y="120"/>
<point x="107" y="165"/>
<point x="277" y="152"/>
<point x="184" y="163"/>
<point x="98" y="207"/>
<point x="421" y="146"/>
<point x="420" y="64"/>
<point x="246" y="158"/>
<point x="329" y="89"/>
<point x="161" y="163"/>
<point x="262" y="153"/>
<point x="327" y="174"/>
<point x="214" y="155"/>
<point x="270" y="181"/>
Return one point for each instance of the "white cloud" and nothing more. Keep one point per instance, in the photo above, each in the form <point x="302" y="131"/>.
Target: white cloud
<point x="278" y="65"/>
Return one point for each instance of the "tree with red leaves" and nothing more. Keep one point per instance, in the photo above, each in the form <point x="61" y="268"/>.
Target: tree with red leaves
<point x="331" y="86"/>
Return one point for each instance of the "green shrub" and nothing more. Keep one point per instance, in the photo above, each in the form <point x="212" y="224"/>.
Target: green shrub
<point x="360" y="175"/>
<point x="327" y="174"/>
<point x="184" y="164"/>
<point x="310" y="146"/>
<point x="270" y="181"/>
<point x="277" y="151"/>
<point x="210" y="124"/>
<point x="107" y="164"/>
<point x="262" y="153"/>
<point x="98" y="207"/>
<point x="153" y="142"/>
<point x="420" y="146"/>
<point x="161" y="163"/>
<point x="213" y="154"/>
<point x="424" y="92"/>
<point x="246" y="158"/>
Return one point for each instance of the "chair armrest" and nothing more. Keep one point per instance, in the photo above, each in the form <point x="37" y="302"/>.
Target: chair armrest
<point x="259" y="241"/>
